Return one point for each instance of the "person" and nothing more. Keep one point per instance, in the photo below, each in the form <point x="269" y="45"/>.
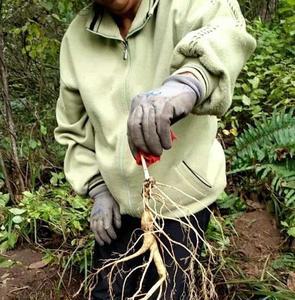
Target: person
<point x="130" y="72"/>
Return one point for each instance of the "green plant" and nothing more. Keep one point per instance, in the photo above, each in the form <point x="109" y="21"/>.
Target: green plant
<point x="266" y="83"/>
<point x="51" y="217"/>
<point x="272" y="286"/>
<point x="268" y="149"/>
<point x="286" y="262"/>
<point x="230" y="204"/>
<point x="32" y="32"/>
<point x="271" y="139"/>
<point x="8" y="236"/>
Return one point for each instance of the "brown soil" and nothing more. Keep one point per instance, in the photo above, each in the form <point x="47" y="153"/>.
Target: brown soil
<point x="30" y="278"/>
<point x="257" y="242"/>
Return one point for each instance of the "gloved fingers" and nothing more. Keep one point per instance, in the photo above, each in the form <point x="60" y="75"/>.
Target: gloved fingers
<point x="117" y="215"/>
<point x="98" y="239"/>
<point x="93" y="227"/>
<point x="111" y="232"/>
<point x="163" y="122"/>
<point x="135" y="129"/>
<point x="136" y="101"/>
<point x="149" y="129"/>
<point x="102" y="232"/>
<point x="108" y="225"/>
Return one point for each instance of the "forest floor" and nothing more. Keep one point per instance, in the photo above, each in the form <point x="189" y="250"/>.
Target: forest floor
<point x="255" y="243"/>
<point x="28" y="277"/>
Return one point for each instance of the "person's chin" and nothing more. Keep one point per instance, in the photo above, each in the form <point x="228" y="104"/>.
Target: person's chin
<point x="120" y="8"/>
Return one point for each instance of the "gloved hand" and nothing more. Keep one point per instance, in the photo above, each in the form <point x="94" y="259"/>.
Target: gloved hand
<point x="153" y="113"/>
<point x="105" y="212"/>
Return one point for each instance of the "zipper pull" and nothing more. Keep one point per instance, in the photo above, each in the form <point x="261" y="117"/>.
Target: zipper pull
<point x="125" y="52"/>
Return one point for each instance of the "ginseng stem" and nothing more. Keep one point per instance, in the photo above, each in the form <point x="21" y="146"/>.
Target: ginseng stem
<point x="145" y="168"/>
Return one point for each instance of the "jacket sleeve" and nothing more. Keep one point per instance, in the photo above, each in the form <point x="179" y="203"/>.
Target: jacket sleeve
<point x="214" y="46"/>
<point x="75" y="131"/>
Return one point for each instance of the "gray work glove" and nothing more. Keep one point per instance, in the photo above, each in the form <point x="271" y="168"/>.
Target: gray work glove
<point x="152" y="113"/>
<point x="105" y="212"/>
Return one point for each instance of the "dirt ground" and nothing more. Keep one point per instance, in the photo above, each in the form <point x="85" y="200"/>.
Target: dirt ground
<point x="256" y="243"/>
<point x="30" y="278"/>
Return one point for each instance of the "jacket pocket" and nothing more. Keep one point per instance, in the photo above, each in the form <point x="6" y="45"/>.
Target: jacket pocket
<point x="200" y="186"/>
<point x="197" y="176"/>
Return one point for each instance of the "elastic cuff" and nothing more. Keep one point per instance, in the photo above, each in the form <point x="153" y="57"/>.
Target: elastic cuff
<point x="95" y="182"/>
<point x="192" y="82"/>
<point x="209" y="81"/>
<point x="97" y="190"/>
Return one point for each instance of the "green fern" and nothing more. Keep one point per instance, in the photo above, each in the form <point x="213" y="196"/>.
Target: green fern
<point x="281" y="176"/>
<point x="268" y="149"/>
<point x="266" y="141"/>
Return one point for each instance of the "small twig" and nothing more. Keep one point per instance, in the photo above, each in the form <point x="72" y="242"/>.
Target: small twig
<point x="19" y="289"/>
<point x="264" y="268"/>
<point x="61" y="282"/>
<point x="66" y="267"/>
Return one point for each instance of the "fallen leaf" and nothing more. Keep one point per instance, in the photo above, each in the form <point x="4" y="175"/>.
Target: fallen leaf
<point x="4" y="276"/>
<point x="38" y="265"/>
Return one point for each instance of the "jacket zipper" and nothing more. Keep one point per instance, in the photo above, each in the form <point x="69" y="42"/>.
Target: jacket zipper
<point x="125" y="41"/>
<point x="127" y="61"/>
<point x="204" y="181"/>
<point x="125" y="51"/>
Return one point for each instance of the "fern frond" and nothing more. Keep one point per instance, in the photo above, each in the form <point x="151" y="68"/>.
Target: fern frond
<point x="267" y="140"/>
<point x="268" y="147"/>
<point x="282" y="180"/>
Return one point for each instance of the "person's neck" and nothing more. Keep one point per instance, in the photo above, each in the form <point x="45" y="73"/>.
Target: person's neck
<point x="124" y="22"/>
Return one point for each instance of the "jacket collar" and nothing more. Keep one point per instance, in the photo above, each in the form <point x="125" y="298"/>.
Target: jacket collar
<point x="101" y="22"/>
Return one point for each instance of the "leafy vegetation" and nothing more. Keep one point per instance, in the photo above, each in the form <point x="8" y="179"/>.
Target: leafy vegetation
<point x="55" y="220"/>
<point x="260" y="156"/>
<point x="267" y="82"/>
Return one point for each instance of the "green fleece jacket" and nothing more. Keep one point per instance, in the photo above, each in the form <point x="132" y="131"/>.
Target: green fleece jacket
<point x="101" y="72"/>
